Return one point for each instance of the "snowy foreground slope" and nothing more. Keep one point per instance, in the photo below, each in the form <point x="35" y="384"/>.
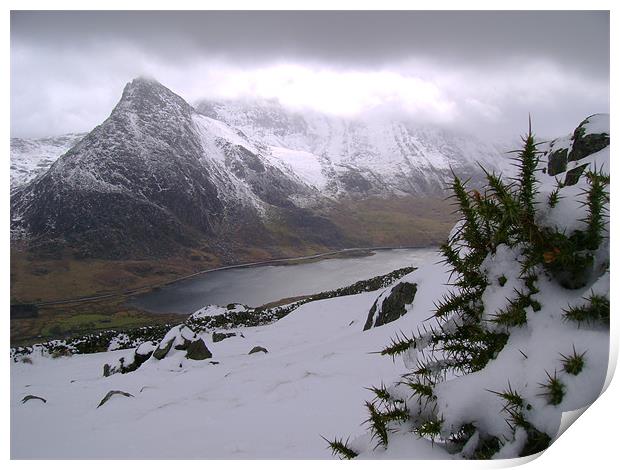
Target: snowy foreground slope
<point x="273" y="405"/>
<point x="493" y="387"/>
<point x="522" y="333"/>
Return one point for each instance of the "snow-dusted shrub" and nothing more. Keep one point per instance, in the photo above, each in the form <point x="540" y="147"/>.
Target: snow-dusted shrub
<point x="522" y="335"/>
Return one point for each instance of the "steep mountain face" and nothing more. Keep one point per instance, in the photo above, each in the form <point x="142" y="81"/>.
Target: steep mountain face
<point x="366" y="156"/>
<point x="159" y="175"/>
<point x="32" y="157"/>
<point x="156" y="175"/>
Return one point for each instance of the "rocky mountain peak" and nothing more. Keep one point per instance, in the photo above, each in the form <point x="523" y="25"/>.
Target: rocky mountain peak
<point x="147" y="98"/>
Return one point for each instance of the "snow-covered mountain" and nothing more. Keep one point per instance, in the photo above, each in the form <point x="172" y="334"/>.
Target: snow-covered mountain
<point x="32" y="157"/>
<point x="369" y="155"/>
<point x="334" y="155"/>
<point x="159" y="174"/>
<point x="155" y="175"/>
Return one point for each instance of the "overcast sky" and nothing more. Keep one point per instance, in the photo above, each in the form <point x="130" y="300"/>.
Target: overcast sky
<point x="477" y="71"/>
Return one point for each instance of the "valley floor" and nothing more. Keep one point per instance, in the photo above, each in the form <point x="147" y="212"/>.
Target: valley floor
<point x="310" y="384"/>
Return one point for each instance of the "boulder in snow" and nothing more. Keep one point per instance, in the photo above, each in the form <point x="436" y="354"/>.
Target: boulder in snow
<point x="217" y="337"/>
<point x="198" y="351"/>
<point x="130" y="361"/>
<point x="33" y="397"/>
<point x="110" y="394"/>
<point x="391" y="304"/>
<point x="163" y="349"/>
<point x="180" y="337"/>
<point x="256" y="349"/>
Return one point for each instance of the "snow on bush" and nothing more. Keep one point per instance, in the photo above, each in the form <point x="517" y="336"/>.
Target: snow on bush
<point x="520" y="333"/>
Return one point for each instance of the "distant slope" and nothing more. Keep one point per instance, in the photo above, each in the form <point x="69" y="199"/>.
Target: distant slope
<point x="368" y="156"/>
<point x="32" y="157"/>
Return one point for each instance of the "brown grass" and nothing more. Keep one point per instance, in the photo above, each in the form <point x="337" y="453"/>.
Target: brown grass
<point x="406" y="221"/>
<point x="395" y="222"/>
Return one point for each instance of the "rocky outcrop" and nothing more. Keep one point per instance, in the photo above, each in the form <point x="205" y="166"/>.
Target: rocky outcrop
<point x="198" y="351"/>
<point x="391" y="305"/>
<point x="182" y="338"/>
<point x="131" y="361"/>
<point x="591" y="136"/>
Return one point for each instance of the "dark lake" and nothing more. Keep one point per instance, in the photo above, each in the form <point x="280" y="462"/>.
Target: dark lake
<point x="258" y="285"/>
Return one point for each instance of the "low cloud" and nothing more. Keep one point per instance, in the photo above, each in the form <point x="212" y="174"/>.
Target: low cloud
<point x="62" y="86"/>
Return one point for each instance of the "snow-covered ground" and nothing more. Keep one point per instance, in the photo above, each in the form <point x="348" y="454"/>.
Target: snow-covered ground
<point x="275" y="405"/>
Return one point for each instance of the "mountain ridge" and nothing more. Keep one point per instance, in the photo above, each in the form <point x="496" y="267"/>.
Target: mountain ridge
<point x="159" y="175"/>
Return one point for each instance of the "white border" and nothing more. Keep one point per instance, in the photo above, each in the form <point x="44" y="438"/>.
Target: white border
<point x="589" y="444"/>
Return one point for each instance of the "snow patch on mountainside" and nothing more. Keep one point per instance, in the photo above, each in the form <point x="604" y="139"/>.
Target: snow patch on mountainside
<point x="305" y="165"/>
<point x="32" y="157"/>
<point x="212" y="131"/>
<point x="382" y="155"/>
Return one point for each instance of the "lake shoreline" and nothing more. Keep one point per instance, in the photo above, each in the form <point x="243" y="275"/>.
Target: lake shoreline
<point x="265" y="286"/>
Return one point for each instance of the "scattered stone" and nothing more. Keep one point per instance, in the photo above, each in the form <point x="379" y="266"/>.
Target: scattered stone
<point x="256" y="349"/>
<point x="33" y="397"/>
<point x="198" y="351"/>
<point x="111" y="393"/>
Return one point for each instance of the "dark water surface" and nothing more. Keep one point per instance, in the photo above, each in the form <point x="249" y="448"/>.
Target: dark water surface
<point x="258" y="285"/>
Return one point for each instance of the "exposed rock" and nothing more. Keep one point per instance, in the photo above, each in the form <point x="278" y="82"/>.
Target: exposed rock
<point x="198" y="351"/>
<point x="144" y="351"/>
<point x="392" y="305"/>
<point x="163" y="349"/>
<point x="217" y="337"/>
<point x="256" y="349"/>
<point x="111" y="393"/>
<point x="572" y="176"/>
<point x="183" y="345"/>
<point x="586" y="143"/>
<point x="589" y="137"/>
<point x="130" y="362"/>
<point x="33" y="397"/>
<point x="180" y="337"/>
<point x="557" y="160"/>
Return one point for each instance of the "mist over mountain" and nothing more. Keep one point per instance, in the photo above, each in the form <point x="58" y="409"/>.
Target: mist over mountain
<point x="159" y="174"/>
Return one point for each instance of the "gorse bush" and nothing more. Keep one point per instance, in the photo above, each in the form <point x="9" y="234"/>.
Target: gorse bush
<point x="463" y="336"/>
